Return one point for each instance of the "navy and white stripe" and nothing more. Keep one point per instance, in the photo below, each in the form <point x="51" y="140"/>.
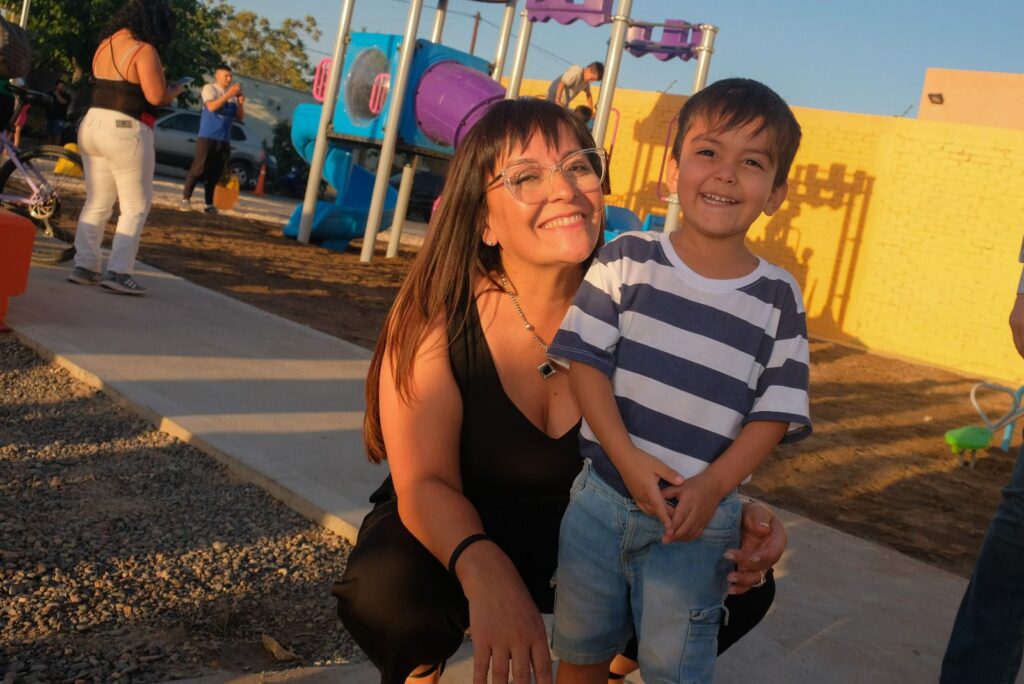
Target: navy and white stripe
<point x="691" y="359"/>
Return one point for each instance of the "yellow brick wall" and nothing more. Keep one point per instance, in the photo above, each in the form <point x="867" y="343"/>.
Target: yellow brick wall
<point x="903" y="233"/>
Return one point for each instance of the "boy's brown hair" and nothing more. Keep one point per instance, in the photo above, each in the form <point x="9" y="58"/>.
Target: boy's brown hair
<point x="735" y="102"/>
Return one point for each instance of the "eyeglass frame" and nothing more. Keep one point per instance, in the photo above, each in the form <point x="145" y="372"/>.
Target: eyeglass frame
<point x="503" y="176"/>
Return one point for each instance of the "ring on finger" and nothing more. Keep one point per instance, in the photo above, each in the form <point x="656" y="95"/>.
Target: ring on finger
<point x="760" y="583"/>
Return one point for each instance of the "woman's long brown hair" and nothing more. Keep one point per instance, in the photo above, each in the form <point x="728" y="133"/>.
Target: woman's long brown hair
<point x="440" y="282"/>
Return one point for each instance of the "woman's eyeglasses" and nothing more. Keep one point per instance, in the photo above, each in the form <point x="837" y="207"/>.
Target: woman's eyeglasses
<point x="531" y="182"/>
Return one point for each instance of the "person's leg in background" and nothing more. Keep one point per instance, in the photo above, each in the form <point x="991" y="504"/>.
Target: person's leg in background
<point x="216" y="158"/>
<point x="195" y="172"/>
<point x="100" y="195"/>
<point x="988" y="635"/>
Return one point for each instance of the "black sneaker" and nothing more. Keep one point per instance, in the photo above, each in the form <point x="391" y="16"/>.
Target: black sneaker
<point x="122" y="283"/>
<point x="210" y="209"/>
<point x="83" y="276"/>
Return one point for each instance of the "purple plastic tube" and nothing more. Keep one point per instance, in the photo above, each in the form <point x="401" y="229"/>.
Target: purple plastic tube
<point x="451" y="98"/>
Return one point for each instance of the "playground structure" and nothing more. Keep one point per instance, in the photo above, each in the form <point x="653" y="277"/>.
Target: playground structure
<point x="971" y="438"/>
<point x="421" y="102"/>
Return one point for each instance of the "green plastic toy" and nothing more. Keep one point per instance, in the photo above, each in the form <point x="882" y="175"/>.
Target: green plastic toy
<point x="971" y="438"/>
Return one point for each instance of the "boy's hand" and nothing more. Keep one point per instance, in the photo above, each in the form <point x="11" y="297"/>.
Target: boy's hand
<point x="642" y="473"/>
<point x="697" y="500"/>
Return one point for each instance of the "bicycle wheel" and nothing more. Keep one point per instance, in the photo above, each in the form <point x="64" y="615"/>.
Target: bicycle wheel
<point x="55" y="209"/>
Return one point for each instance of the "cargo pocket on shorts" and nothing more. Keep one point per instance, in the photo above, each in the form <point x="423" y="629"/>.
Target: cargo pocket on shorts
<point x="701" y="648"/>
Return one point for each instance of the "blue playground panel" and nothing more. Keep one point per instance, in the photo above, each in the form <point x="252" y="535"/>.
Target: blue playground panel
<point x="370" y="54"/>
<point x="619" y="220"/>
<point x="654" y="222"/>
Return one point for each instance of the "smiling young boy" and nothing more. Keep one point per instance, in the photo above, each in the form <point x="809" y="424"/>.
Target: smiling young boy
<point x="689" y="361"/>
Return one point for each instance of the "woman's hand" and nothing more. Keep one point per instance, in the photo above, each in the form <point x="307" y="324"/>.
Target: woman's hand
<point x="761" y="546"/>
<point x="505" y="624"/>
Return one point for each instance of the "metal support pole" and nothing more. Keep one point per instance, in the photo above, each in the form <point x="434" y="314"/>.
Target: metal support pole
<point x="700" y="79"/>
<point x="503" y="36"/>
<point x="387" y="148"/>
<point x="620" y="25"/>
<point x="704" y="52"/>
<point x="26" y="5"/>
<point x="404" y="192"/>
<point x="439" y="16"/>
<point x="672" y="215"/>
<point x="476" y="27"/>
<point x="316" y="164"/>
<point x="515" y="80"/>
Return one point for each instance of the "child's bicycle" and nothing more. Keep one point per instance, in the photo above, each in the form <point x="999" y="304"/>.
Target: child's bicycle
<point x="46" y="184"/>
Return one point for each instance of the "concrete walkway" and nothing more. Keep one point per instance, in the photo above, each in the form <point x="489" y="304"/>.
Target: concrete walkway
<point x="281" y="405"/>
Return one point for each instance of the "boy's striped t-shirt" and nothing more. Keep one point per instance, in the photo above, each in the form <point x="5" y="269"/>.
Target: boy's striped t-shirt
<point x="691" y="359"/>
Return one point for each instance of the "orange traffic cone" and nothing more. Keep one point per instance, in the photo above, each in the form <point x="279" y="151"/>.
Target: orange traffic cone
<point x="261" y="180"/>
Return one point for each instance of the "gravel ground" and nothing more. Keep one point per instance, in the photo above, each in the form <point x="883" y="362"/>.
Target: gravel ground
<point x="129" y="555"/>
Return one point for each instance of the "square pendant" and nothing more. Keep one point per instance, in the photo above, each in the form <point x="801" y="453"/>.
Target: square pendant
<point x="546" y="370"/>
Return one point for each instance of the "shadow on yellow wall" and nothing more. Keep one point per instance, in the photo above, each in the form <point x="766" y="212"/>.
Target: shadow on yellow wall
<point x="847" y="197"/>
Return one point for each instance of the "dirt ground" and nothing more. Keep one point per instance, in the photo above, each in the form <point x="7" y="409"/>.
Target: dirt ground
<point x="876" y="466"/>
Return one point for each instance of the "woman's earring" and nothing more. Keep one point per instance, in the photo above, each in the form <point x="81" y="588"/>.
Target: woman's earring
<point x="489" y="243"/>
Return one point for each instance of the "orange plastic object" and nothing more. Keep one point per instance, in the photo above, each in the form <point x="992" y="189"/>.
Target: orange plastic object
<point x="225" y="196"/>
<point x="17" y="235"/>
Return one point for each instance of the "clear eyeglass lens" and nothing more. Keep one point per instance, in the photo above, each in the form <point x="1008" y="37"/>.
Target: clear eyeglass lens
<point x="532" y="183"/>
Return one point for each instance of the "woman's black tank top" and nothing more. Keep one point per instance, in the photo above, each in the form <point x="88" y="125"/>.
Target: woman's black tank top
<point x="516" y="476"/>
<point x="124" y="97"/>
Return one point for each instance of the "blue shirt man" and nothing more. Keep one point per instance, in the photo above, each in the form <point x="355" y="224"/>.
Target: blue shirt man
<point x="223" y="104"/>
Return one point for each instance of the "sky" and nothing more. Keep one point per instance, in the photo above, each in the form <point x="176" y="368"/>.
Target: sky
<point x="863" y="56"/>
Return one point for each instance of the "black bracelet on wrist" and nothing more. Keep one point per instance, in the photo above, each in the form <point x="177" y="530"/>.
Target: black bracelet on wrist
<point x="463" y="545"/>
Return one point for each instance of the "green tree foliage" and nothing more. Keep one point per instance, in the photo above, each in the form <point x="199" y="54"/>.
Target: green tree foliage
<point x="65" y="34"/>
<point x="254" y="47"/>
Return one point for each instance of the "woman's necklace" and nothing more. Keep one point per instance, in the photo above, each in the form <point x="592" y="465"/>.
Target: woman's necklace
<point x="545" y="369"/>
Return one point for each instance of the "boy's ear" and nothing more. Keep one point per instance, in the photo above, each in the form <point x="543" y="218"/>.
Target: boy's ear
<point x="672" y="173"/>
<point x="776" y="198"/>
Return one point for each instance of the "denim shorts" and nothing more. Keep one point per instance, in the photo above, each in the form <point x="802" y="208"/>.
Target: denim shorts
<point x="614" y="573"/>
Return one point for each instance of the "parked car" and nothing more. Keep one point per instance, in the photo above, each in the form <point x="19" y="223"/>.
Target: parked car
<point x="175" y="142"/>
<point x="426" y="186"/>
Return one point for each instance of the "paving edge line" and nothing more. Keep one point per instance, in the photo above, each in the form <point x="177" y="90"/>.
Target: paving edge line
<point x="241" y="470"/>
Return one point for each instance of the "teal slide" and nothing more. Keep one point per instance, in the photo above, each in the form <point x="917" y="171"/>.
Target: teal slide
<point x="335" y="223"/>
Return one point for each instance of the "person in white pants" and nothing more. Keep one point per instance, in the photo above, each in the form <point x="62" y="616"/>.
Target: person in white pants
<point x="118" y="158"/>
<point x="116" y="142"/>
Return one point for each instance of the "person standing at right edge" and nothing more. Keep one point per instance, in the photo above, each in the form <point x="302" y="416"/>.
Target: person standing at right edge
<point x="116" y="140"/>
<point x="987" y="641"/>
<point x="223" y="104"/>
